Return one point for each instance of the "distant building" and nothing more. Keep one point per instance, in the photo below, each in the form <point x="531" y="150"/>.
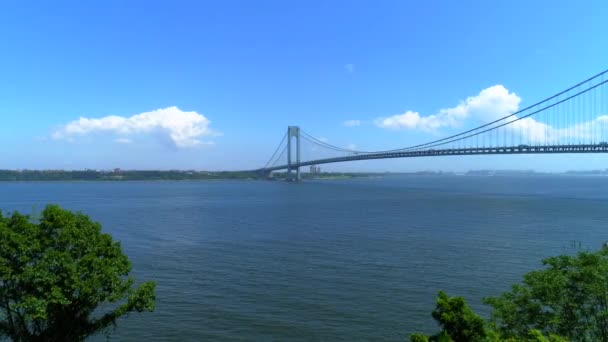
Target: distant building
<point x="315" y="170"/>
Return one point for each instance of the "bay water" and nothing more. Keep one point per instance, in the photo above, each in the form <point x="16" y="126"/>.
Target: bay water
<point x="326" y="260"/>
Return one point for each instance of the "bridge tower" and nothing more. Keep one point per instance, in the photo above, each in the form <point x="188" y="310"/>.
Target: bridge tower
<point x="293" y="131"/>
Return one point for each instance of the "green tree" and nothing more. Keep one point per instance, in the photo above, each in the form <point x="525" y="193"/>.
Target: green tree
<point x="61" y="279"/>
<point x="457" y="321"/>
<point x="418" y="337"/>
<point x="536" y="336"/>
<point x="568" y="298"/>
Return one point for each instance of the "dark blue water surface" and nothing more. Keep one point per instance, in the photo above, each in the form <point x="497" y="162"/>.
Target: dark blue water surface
<point x="357" y="260"/>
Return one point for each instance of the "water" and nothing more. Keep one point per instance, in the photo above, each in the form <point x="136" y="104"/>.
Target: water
<point x="356" y="260"/>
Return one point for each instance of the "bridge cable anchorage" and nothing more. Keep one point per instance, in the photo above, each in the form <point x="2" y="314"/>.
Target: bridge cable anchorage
<point x="276" y="150"/>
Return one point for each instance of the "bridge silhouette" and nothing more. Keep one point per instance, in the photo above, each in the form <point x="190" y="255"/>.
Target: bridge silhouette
<point x="574" y="120"/>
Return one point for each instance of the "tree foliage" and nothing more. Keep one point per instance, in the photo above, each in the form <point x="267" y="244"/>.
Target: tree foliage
<point x="567" y="300"/>
<point x="61" y="279"/>
<point x="459" y="323"/>
<point x="458" y="320"/>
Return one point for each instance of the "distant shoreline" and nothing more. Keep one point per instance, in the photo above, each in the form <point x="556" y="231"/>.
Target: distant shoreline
<point x="152" y="175"/>
<point x="119" y="175"/>
<point x="189" y="175"/>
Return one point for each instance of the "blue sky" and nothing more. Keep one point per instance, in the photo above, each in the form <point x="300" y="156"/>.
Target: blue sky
<point x="216" y="83"/>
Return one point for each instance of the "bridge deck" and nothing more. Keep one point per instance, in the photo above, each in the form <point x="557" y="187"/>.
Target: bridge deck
<point x="520" y="149"/>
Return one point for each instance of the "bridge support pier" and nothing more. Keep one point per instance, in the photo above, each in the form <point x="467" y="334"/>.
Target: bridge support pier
<point x="293" y="131"/>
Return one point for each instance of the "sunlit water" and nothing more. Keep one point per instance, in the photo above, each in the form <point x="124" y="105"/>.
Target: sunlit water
<point x="356" y="260"/>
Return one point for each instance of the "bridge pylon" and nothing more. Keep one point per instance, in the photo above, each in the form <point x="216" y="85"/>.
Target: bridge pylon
<point x="293" y="132"/>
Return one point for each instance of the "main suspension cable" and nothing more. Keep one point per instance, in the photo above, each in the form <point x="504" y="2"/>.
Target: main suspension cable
<point x="463" y="135"/>
<point x="276" y="150"/>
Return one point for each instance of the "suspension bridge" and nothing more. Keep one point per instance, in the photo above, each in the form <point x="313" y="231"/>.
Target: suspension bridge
<point x="574" y="120"/>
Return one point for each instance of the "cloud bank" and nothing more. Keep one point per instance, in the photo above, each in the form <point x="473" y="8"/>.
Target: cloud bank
<point x="491" y="103"/>
<point x="183" y="129"/>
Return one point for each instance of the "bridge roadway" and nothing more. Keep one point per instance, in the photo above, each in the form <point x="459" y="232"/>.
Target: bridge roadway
<point x="520" y="149"/>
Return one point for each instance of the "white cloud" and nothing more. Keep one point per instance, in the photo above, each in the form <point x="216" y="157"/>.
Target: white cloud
<point x="351" y="123"/>
<point x="183" y="129"/>
<point x="351" y="146"/>
<point x="410" y="120"/>
<point x="325" y="140"/>
<point x="123" y="140"/>
<point x="350" y="68"/>
<point x="491" y="103"/>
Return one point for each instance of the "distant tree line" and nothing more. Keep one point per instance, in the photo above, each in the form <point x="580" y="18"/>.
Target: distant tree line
<point x="151" y="175"/>
<point x="119" y="175"/>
